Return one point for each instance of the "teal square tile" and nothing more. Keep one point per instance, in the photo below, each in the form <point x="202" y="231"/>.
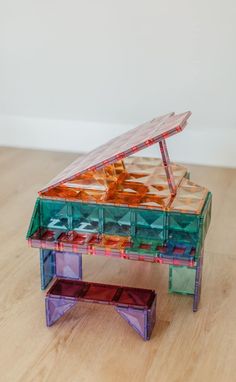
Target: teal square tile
<point x="117" y="221"/>
<point x="85" y="217"/>
<point x="182" y="279"/>
<point x="150" y="225"/>
<point x="54" y="214"/>
<point x="183" y="222"/>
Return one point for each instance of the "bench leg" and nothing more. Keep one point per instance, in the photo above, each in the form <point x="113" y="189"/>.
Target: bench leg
<point x="56" y="308"/>
<point x="141" y="320"/>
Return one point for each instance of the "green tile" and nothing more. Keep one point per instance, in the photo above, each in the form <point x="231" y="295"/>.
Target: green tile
<point x="150" y="233"/>
<point x="183" y="222"/>
<point x="117" y="221"/>
<point x="150" y="225"/>
<point x="181" y="279"/>
<point x="204" y="224"/>
<point x="54" y="214"/>
<point x="183" y="237"/>
<point x="85" y="217"/>
<point x="150" y="219"/>
<point x="35" y="220"/>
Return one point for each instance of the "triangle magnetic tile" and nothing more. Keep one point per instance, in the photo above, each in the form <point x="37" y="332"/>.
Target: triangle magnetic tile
<point x="56" y="308"/>
<point x="136" y="318"/>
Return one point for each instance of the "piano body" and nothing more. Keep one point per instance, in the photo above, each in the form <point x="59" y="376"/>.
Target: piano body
<point x="111" y="202"/>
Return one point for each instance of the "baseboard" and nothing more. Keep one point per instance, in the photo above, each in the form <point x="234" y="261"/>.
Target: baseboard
<point x="205" y="145"/>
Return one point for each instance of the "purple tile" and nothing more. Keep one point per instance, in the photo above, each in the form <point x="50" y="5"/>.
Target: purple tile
<point x="137" y="318"/>
<point x="69" y="265"/>
<point x="141" y="320"/>
<point x="151" y="319"/>
<point x="56" y="308"/>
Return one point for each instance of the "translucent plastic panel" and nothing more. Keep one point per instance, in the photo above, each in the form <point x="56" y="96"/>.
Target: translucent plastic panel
<point x="54" y="214"/>
<point x="85" y="217"/>
<point x="189" y="198"/>
<point x="147" y="247"/>
<point x="136" y="306"/>
<point x="151" y="318"/>
<point x="183" y="222"/>
<point x="117" y="221"/>
<point x="68" y="265"/>
<point x="151" y="233"/>
<point x="177" y="251"/>
<point x="100" y="293"/>
<point x="103" y="293"/>
<point x="35" y="220"/>
<point x="68" y="288"/>
<point x="136" y="318"/>
<point x="183" y="237"/>
<point x="182" y="279"/>
<point x="150" y="219"/>
<point x="150" y="225"/>
<point x="47" y="266"/>
<point x="136" y="297"/>
<point x="122" y="146"/>
<point x="143" y="321"/>
<point x="143" y="183"/>
<point x="56" y="308"/>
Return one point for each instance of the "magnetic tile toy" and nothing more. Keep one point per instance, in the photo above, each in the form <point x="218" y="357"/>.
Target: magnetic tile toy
<point x="136" y="306"/>
<point x="113" y="203"/>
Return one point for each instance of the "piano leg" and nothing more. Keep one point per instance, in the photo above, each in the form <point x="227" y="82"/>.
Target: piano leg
<point x="198" y="283"/>
<point x="47" y="266"/>
<point x="69" y="265"/>
<point x="187" y="280"/>
<point x="182" y="279"/>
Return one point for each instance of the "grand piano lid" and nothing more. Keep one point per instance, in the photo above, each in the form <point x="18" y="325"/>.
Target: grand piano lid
<point x="122" y="146"/>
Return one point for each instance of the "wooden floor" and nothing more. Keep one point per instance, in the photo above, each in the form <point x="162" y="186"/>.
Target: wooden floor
<point x="92" y="343"/>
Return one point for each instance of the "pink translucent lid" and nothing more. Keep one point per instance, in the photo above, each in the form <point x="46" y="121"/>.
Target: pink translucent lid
<point x="124" y="145"/>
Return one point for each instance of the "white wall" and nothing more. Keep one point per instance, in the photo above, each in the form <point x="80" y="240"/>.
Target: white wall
<point x="79" y="70"/>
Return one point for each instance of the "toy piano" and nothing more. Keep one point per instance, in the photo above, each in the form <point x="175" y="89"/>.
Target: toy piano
<point x="113" y="203"/>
